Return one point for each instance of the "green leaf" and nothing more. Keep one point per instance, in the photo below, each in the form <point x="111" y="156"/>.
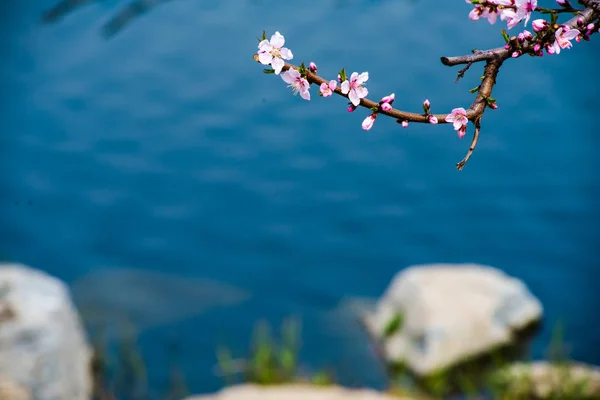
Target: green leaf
<point x="269" y="71"/>
<point x="264" y="37"/>
<point x="505" y="36"/>
<point x="394" y="325"/>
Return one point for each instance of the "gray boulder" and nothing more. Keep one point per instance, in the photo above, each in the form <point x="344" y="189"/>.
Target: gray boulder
<point x="435" y="316"/>
<point x="43" y="349"/>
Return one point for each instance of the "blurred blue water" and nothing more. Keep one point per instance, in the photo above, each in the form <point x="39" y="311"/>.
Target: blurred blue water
<point x="166" y="149"/>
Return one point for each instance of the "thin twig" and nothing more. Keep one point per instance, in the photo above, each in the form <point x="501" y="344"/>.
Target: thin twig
<point x="461" y="72"/>
<point x="462" y="162"/>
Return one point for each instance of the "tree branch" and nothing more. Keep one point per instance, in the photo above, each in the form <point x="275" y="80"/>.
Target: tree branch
<point x="494" y="58"/>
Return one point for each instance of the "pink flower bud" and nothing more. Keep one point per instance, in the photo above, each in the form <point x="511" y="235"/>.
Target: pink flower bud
<point x="550" y="49"/>
<point x="507" y="46"/>
<point x="404" y="124"/>
<point x="388" y="99"/>
<point x="516" y="54"/>
<point x="426" y="103"/>
<point x="539" y="24"/>
<point x="312" y="67"/>
<point x="579" y="21"/>
<point x="339" y="78"/>
<point x="494" y="106"/>
<point x="461" y="132"/>
<point x="432" y="119"/>
<point x="590" y="27"/>
<point x="368" y="122"/>
<point x="386" y="106"/>
<point x="351" y="108"/>
<point x="561" y="2"/>
<point x="537" y="47"/>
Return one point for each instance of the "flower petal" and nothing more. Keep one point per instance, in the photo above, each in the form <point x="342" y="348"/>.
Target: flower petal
<point x="277" y="40"/>
<point x="354" y="99"/>
<point x="345" y="87"/>
<point x="305" y="94"/>
<point x="277" y="65"/>
<point x="361" y="92"/>
<point x="286" y="53"/>
<point x="265" y="58"/>
<point x="289" y="76"/>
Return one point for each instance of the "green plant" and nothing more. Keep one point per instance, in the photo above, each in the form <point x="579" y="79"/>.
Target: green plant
<point x="394" y="325"/>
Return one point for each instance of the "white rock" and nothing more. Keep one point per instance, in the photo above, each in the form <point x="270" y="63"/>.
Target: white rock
<point x="42" y="343"/>
<point x="449" y="313"/>
<point x="295" y="392"/>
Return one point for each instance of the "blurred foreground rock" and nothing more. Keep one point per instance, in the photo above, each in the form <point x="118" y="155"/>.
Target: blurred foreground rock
<point x="295" y="392"/>
<point x="43" y="351"/>
<point x="543" y="380"/>
<point x="435" y="316"/>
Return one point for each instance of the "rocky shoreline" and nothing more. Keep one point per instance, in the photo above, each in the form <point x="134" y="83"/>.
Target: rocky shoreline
<point x="431" y="318"/>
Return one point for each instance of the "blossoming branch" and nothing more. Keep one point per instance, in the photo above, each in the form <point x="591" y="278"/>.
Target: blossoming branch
<point x="548" y="36"/>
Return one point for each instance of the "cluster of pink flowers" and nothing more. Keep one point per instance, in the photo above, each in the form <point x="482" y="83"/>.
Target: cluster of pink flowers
<point x="515" y="11"/>
<point x="547" y="36"/>
<point x="511" y="11"/>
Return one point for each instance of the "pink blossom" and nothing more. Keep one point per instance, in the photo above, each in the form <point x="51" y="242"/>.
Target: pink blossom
<point x="328" y="88"/>
<point x="369" y="121"/>
<point x="312" y="67"/>
<point x="524" y="9"/>
<point x="458" y="118"/>
<point x="354" y="88"/>
<point x="404" y="124"/>
<point x="272" y="52"/>
<point x="563" y="37"/>
<point x="297" y="83"/>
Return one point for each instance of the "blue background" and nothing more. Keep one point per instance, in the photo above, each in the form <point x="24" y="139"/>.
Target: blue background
<point x="166" y="150"/>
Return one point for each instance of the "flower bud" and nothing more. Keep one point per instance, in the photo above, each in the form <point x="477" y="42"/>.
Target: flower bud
<point x="386" y="106"/>
<point x="369" y="121"/>
<point x="432" y="119"/>
<point x="388" y="99"/>
<point x="539" y="25"/>
<point x="312" y="67"/>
